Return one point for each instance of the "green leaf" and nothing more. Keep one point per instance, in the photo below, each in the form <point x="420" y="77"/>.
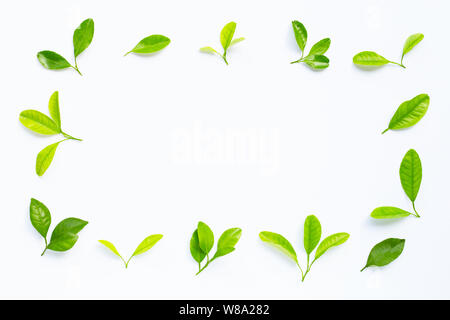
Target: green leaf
<point x="411" y="174"/>
<point x="227" y="241"/>
<point x="320" y="47"/>
<point x="147" y="244"/>
<point x="317" y="62"/>
<point x="279" y="242"/>
<point x="63" y="242"/>
<point x="64" y="236"/>
<point x="53" y="108"/>
<point x="329" y="242"/>
<point x="38" y="122"/>
<point x="111" y="247"/>
<point x="369" y="58"/>
<point x="300" y="34"/>
<point x="82" y="36"/>
<point x="53" y="61"/>
<point x="409" y="113"/>
<point x="312" y="233"/>
<point x="205" y="237"/>
<point x="151" y="44"/>
<point x="45" y="158"/>
<point x="209" y="50"/>
<point x="196" y="251"/>
<point x="226" y="35"/>
<point x="235" y="41"/>
<point x="40" y="217"/>
<point x="389" y="213"/>
<point x="411" y="42"/>
<point x="385" y="252"/>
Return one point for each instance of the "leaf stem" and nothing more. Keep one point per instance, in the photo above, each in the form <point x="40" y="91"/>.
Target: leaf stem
<point x="207" y="264"/>
<point x="363" y="269"/>
<point x="297" y="61"/>
<point x="385" y="131"/>
<point x="224" y="57"/>
<point x="76" y="69"/>
<point x="399" y="64"/>
<point x="126" y="264"/>
<point x="416" y="213"/>
<point x="301" y="270"/>
<point x="70" y="137"/>
<point x="46" y="247"/>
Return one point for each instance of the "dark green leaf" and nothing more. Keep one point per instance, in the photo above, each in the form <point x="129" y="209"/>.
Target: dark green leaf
<point x="82" y="36"/>
<point x="64" y="236"/>
<point x="312" y="233"/>
<point x="40" y="217"/>
<point x="385" y="252"/>
<point x="389" y="213"/>
<point x="52" y="60"/>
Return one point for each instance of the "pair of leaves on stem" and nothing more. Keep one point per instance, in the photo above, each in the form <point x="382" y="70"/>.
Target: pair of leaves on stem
<point x="150" y="44"/>
<point x="411" y="178"/>
<point x="40" y="123"/>
<point x="373" y="59"/>
<point x="315" y="58"/>
<point x="226" y="39"/>
<point x="311" y="238"/>
<point x="385" y="252"/>
<point x="202" y="242"/>
<point x="65" y="234"/>
<point x="409" y="113"/>
<point x="82" y="38"/>
<point x="144" y="246"/>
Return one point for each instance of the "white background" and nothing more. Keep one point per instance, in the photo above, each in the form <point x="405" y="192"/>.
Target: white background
<point x="178" y="137"/>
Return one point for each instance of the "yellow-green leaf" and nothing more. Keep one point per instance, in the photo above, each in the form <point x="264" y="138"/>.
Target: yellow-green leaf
<point x="110" y="246"/>
<point x="312" y="233"/>
<point x="147" y="244"/>
<point x="38" y="122"/>
<point x="279" y="242"/>
<point x="331" y="241"/>
<point x="389" y="213"/>
<point x="45" y="157"/>
<point x="53" y="108"/>
<point x="411" y="42"/>
<point x="226" y="35"/>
